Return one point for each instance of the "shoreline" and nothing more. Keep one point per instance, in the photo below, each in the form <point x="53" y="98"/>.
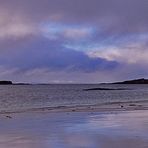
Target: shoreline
<point x="112" y="106"/>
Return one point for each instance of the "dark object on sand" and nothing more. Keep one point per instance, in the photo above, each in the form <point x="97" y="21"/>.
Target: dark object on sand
<point x="136" y="81"/>
<point x="6" y="83"/>
<point x="9" y="117"/>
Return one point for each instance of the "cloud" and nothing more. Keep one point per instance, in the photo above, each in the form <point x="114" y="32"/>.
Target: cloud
<point x="42" y="53"/>
<point x="77" y="33"/>
<point x="114" y="15"/>
<point x="122" y="55"/>
<point x="124" y="51"/>
<point x="76" y="36"/>
<point x="72" y="32"/>
<point x="111" y="18"/>
<point x="14" y="26"/>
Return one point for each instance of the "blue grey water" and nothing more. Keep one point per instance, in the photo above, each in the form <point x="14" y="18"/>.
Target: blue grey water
<point x="18" y="97"/>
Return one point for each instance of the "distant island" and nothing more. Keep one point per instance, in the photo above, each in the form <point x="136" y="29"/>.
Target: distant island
<point x="6" y="83"/>
<point x="136" y="81"/>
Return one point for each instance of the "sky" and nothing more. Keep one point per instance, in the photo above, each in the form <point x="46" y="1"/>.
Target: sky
<point x="73" y="41"/>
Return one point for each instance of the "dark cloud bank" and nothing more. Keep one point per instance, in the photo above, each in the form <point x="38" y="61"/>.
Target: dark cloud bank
<point x="42" y="53"/>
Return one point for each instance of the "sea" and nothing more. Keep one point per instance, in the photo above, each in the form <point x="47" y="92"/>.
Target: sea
<point x="25" y="97"/>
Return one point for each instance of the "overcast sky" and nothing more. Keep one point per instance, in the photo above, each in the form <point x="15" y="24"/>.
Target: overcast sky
<point x="73" y="41"/>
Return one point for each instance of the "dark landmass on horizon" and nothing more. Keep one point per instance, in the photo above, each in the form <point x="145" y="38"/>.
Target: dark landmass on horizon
<point x="136" y="81"/>
<point x="6" y="83"/>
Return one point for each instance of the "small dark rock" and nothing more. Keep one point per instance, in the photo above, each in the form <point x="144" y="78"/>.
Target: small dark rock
<point x="9" y="117"/>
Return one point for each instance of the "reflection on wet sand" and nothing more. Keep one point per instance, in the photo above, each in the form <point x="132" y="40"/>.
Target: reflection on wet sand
<point x="75" y="130"/>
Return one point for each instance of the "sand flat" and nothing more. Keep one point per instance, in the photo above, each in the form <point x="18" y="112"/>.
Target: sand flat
<point x="116" y="129"/>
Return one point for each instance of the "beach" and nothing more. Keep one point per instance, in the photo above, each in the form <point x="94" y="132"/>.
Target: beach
<point x="66" y="116"/>
<point x="75" y="129"/>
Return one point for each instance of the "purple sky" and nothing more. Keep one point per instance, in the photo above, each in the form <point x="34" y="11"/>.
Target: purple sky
<point x="73" y="41"/>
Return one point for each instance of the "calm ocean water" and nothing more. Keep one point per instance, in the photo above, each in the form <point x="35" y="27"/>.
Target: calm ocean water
<point x="17" y="97"/>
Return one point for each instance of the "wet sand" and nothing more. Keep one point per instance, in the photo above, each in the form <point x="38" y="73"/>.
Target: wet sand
<point x="110" y="106"/>
<point x="77" y="129"/>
